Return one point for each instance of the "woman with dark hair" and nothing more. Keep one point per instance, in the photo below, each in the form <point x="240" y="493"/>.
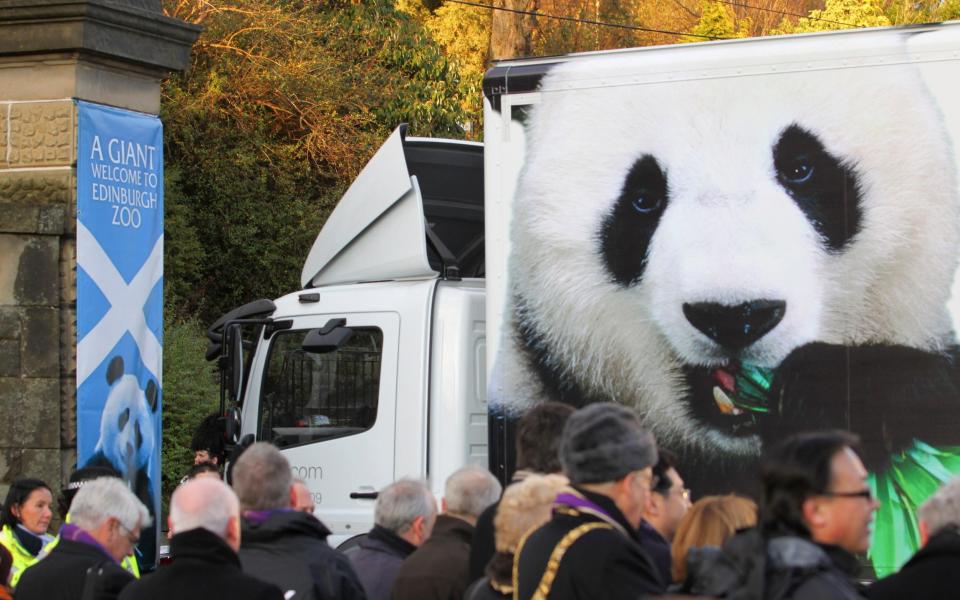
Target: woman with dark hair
<point x="24" y="522"/>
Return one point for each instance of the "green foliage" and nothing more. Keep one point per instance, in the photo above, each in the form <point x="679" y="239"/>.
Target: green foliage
<point x="190" y="393"/>
<point x="716" y="21"/>
<point x="839" y="14"/>
<point x="283" y="104"/>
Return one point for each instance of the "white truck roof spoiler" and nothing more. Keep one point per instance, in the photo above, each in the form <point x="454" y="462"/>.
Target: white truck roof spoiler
<point x="376" y="231"/>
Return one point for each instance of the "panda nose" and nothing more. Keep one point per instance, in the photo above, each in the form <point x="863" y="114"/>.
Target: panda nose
<point x="735" y="327"/>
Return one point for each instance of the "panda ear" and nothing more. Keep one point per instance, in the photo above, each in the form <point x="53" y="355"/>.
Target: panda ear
<point x="151" y="393"/>
<point x="115" y="370"/>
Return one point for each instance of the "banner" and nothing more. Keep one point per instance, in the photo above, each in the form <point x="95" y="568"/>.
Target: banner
<point x="120" y="300"/>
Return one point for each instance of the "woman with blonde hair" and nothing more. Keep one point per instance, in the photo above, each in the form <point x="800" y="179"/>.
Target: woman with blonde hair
<point x="711" y="521"/>
<point x="525" y="506"/>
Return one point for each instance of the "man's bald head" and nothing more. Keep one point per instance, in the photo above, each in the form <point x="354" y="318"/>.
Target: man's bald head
<point x="209" y="504"/>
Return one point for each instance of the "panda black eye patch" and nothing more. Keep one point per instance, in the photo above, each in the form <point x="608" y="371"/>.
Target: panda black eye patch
<point x="626" y="231"/>
<point x="123" y="419"/>
<point x="821" y="185"/>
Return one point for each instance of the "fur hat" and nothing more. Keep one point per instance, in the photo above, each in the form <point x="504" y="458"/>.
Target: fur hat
<point x="603" y="442"/>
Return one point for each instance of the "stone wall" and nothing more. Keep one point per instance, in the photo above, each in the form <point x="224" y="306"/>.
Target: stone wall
<point x="37" y="291"/>
<point x="53" y="52"/>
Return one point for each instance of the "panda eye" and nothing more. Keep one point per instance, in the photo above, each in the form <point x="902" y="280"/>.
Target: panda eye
<point x="797" y="171"/>
<point x="139" y="435"/>
<point x="123" y="419"/>
<point x="647" y="203"/>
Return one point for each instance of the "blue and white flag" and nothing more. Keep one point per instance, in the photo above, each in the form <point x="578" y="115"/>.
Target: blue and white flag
<point x="120" y="298"/>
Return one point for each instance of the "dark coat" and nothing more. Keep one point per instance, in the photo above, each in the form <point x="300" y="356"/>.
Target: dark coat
<point x="62" y="575"/>
<point x="289" y="549"/>
<point x="658" y="549"/>
<point x="481" y="590"/>
<point x="932" y="572"/>
<point x="203" y="568"/>
<point x="605" y="563"/>
<point x="440" y="568"/>
<point x="750" y="567"/>
<point x="377" y="559"/>
<point x="483" y="546"/>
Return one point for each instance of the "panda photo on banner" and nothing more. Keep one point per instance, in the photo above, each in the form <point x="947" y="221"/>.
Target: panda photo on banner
<point x="743" y="257"/>
<point x="120" y="301"/>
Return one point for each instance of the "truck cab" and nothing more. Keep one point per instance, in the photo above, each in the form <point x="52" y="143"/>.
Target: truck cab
<point x="376" y="368"/>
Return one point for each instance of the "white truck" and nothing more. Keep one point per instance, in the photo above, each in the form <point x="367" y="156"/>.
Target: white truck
<point x="739" y="239"/>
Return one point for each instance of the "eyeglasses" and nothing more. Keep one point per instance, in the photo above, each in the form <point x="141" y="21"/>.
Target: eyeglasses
<point x="133" y="539"/>
<point x="865" y="494"/>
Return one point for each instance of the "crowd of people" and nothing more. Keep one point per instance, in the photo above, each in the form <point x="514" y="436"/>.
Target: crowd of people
<point x="595" y="510"/>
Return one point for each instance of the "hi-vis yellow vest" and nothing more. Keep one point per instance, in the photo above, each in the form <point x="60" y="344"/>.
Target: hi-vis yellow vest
<point x="21" y="556"/>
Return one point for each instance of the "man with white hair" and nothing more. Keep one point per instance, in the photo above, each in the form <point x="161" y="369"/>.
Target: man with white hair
<point x="403" y="519"/>
<point x="932" y="572"/>
<point x="105" y="523"/>
<point x="205" y="528"/>
<point x="440" y="568"/>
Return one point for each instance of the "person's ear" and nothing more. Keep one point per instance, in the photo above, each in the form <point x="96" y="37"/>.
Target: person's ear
<point x="15" y="510"/>
<point x="813" y="514"/>
<point x="443" y="505"/>
<point x="233" y="532"/>
<point x="924" y="533"/>
<point x="293" y="496"/>
<point x="171" y="531"/>
<point x="418" y="528"/>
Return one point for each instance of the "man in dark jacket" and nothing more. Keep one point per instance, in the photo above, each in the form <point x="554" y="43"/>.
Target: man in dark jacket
<point x="106" y="519"/>
<point x="538" y="440"/>
<point x="817" y="509"/>
<point x="205" y="525"/>
<point x="283" y="546"/>
<point x="590" y="549"/>
<point x="669" y="501"/>
<point x="440" y="568"/>
<point x="403" y="519"/>
<point x="932" y="573"/>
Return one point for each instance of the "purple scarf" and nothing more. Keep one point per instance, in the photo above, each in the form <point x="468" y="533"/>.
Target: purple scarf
<point x="75" y="534"/>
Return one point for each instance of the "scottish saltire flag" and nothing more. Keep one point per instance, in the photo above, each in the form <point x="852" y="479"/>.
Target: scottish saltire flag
<point x="120" y="298"/>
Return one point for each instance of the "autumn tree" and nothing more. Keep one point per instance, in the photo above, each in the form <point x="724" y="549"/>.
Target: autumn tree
<point x="839" y="14"/>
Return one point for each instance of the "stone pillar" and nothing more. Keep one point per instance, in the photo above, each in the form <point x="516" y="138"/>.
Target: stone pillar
<point x="51" y="53"/>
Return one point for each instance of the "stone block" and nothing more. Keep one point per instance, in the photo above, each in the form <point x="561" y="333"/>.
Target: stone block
<point x="9" y="358"/>
<point x="39" y="219"/>
<point x="41" y="134"/>
<point x="68" y="272"/>
<point x="37" y="187"/>
<point x="38" y="414"/>
<point x="38" y="272"/>
<point x="68" y="412"/>
<point x="40" y="342"/>
<point x="9" y="323"/>
<point x="11" y="247"/>
<point x="42" y="463"/>
<point x="11" y="460"/>
<point x="68" y="342"/>
<point x="11" y="390"/>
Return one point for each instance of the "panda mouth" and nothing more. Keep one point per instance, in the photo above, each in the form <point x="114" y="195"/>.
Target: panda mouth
<point x="732" y="398"/>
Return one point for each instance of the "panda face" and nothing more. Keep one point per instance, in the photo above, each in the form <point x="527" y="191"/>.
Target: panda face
<point x="665" y="231"/>
<point x="126" y="424"/>
<point x="705" y="302"/>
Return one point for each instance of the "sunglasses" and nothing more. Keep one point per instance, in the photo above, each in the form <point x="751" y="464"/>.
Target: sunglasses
<point x="865" y="494"/>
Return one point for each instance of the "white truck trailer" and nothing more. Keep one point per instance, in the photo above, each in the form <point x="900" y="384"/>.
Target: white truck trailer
<point x="738" y="239"/>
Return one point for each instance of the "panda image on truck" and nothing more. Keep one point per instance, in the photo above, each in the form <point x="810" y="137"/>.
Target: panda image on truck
<point x="126" y="442"/>
<point x="739" y="258"/>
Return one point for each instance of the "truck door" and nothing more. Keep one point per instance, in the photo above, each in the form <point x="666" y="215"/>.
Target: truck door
<point x="333" y="414"/>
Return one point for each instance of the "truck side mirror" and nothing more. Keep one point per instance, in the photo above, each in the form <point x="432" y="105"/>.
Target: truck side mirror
<point x="328" y="338"/>
<point x="235" y="340"/>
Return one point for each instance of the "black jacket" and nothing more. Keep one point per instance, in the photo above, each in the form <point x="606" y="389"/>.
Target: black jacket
<point x="440" y="568"/>
<point x="605" y="563"/>
<point x="658" y="549"/>
<point x="750" y="567"/>
<point x="933" y="572"/>
<point x="483" y="546"/>
<point x="377" y="559"/>
<point x="289" y="549"/>
<point x="62" y="575"/>
<point x="203" y="568"/>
